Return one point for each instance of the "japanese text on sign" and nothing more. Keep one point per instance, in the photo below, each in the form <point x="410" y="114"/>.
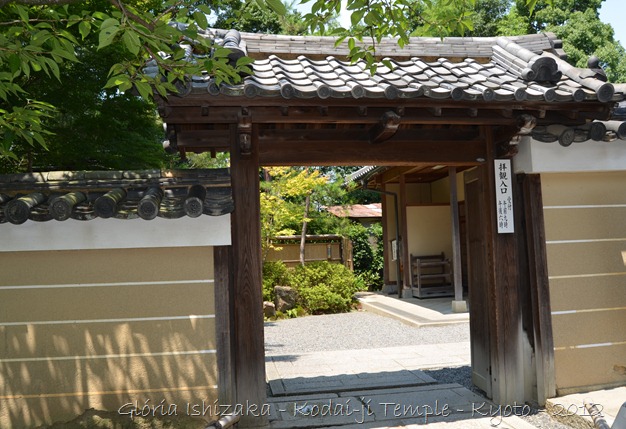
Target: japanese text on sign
<point x="504" y="196"/>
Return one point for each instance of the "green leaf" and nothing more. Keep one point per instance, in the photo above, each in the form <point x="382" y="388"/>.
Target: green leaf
<point x="84" y="28"/>
<point x="100" y="15"/>
<point x="54" y="67"/>
<point x="145" y="90"/>
<point x="356" y="17"/>
<point x="107" y="35"/>
<point x="117" y="81"/>
<point x="109" y="22"/>
<point x="277" y="6"/>
<point x="23" y="12"/>
<point x="131" y="41"/>
<point x="244" y="61"/>
<point x="64" y="53"/>
<point x="200" y="19"/>
<point x="40" y="37"/>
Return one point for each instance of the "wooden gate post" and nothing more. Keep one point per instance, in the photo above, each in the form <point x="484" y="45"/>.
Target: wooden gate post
<point x="507" y="362"/>
<point x="249" y="355"/>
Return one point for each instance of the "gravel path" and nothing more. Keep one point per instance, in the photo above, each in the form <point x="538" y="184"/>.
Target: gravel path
<point x="353" y="331"/>
<point x="364" y="330"/>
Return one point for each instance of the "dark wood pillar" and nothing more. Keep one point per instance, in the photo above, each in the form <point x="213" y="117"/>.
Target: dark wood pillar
<point x="405" y="291"/>
<point x="541" y="313"/>
<point x="458" y="304"/>
<point x="386" y="214"/>
<point x="249" y="356"/>
<point x="224" y="324"/>
<point x="505" y="320"/>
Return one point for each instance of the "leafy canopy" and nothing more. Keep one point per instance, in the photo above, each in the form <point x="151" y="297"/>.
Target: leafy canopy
<point x="38" y="36"/>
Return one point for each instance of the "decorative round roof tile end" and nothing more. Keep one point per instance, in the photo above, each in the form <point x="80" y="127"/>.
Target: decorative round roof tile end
<point x="457" y="94"/>
<point x="250" y="91"/>
<point x="357" y="91"/>
<point x="579" y="95"/>
<point x="391" y="92"/>
<point x="489" y="94"/>
<point x="597" y="131"/>
<point x="323" y="91"/>
<point x="605" y="93"/>
<point x="567" y="137"/>
<point x="520" y="94"/>
<point x="287" y="90"/>
<point x="213" y="88"/>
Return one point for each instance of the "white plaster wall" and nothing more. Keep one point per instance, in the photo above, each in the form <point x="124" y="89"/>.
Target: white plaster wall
<point x="539" y="157"/>
<point x="115" y="234"/>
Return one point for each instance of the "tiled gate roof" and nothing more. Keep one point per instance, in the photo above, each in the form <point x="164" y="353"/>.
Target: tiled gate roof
<point x="86" y="195"/>
<point x="511" y="69"/>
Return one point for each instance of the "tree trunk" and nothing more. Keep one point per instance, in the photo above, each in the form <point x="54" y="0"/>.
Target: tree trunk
<point x="307" y="205"/>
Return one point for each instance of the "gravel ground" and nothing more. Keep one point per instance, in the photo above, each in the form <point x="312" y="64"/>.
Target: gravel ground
<point x="352" y="331"/>
<point x="364" y="330"/>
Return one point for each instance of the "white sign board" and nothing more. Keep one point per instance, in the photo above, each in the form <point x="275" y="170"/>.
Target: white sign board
<point x="504" y="196"/>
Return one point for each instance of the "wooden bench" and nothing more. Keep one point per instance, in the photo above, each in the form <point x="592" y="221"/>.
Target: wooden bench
<point x="431" y="276"/>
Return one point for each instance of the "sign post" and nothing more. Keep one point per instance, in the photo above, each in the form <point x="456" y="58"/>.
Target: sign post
<point x="504" y="196"/>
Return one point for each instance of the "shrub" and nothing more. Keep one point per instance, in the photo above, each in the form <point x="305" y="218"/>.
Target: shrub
<point x="275" y="273"/>
<point x="367" y="253"/>
<point x="324" y="287"/>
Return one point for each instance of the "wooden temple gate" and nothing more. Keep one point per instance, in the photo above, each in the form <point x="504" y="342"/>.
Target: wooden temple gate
<point x="462" y="103"/>
<point x="458" y="103"/>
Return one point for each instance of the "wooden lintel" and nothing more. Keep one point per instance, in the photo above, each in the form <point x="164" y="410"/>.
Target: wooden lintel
<point x="354" y="152"/>
<point x="436" y="111"/>
<point x="385" y="128"/>
<point x="507" y="113"/>
<point x="216" y="139"/>
<point x="329" y="113"/>
<point x="204" y="110"/>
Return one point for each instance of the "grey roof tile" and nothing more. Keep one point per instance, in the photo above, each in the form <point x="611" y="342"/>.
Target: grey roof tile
<point x="482" y="69"/>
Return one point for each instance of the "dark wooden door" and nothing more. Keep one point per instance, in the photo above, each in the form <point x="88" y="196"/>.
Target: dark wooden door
<point x="476" y="225"/>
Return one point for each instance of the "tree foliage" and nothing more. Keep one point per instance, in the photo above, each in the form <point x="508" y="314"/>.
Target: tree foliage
<point x="282" y="200"/>
<point x="578" y="24"/>
<point x="39" y="36"/>
<point x="91" y="127"/>
<point x="371" y="20"/>
<point x="250" y="17"/>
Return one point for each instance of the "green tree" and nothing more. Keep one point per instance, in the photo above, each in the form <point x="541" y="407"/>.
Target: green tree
<point x="250" y="17"/>
<point x="39" y="36"/>
<point x="283" y="194"/>
<point x="92" y="127"/>
<point x="577" y="23"/>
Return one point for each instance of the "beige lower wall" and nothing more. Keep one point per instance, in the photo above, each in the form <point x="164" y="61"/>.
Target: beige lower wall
<point x="102" y="328"/>
<point x="429" y="230"/>
<point x="585" y="222"/>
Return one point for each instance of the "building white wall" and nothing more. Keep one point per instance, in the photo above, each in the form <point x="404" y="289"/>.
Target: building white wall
<point x="539" y="157"/>
<point x="115" y="234"/>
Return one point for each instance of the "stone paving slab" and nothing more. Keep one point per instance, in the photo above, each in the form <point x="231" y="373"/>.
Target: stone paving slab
<point x="357" y="369"/>
<point x="440" y="406"/>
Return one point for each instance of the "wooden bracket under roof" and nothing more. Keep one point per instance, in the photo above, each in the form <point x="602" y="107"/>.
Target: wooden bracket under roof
<point x="385" y="128"/>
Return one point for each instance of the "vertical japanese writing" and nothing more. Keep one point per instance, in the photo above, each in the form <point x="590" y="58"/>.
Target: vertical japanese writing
<point x="504" y="196"/>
